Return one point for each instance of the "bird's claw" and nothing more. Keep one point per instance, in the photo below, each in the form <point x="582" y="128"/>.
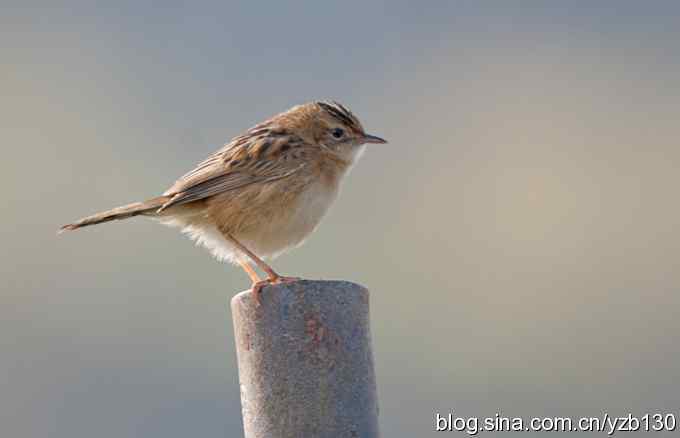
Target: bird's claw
<point x="257" y="286"/>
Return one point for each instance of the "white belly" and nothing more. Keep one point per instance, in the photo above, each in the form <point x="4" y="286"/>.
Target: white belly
<point x="292" y="227"/>
<point x="272" y="238"/>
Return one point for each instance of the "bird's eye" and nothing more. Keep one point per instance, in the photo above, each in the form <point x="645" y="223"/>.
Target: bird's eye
<point x="338" y="133"/>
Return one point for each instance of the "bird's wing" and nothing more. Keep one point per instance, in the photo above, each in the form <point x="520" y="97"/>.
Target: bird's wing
<point x="260" y="155"/>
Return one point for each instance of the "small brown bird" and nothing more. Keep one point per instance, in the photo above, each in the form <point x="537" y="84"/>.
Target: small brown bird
<point x="264" y="192"/>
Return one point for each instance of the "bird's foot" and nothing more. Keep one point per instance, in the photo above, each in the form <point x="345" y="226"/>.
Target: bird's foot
<point x="282" y="279"/>
<point x="278" y="279"/>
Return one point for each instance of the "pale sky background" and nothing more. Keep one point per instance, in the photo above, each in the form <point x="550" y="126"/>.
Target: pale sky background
<point x="519" y="234"/>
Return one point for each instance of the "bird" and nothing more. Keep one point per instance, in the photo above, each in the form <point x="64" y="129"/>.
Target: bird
<point x="264" y="192"/>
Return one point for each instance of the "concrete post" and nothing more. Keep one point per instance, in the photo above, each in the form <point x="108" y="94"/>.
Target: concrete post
<point x="305" y="361"/>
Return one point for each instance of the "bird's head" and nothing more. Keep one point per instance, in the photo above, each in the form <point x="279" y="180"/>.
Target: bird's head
<point x="332" y="126"/>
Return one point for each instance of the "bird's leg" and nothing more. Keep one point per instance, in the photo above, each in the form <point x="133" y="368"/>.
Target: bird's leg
<point x="249" y="270"/>
<point x="257" y="282"/>
<point x="272" y="276"/>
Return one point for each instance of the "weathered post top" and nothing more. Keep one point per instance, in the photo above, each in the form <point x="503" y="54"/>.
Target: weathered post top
<point x="305" y="361"/>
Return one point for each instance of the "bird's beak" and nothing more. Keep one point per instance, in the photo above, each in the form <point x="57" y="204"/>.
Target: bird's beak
<point x="373" y="139"/>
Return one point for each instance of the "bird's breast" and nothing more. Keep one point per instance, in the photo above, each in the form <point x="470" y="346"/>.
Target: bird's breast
<point x="290" y="223"/>
<point x="309" y="207"/>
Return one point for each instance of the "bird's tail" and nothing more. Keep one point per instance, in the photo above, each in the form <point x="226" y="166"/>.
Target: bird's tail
<point x="124" y="212"/>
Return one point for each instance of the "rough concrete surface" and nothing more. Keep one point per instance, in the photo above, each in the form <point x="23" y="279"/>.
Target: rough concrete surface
<point x="305" y="361"/>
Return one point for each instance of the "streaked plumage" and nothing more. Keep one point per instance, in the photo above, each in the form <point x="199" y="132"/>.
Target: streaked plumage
<point x="263" y="192"/>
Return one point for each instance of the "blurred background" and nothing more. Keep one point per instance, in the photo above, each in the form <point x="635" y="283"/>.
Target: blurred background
<point x="519" y="233"/>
